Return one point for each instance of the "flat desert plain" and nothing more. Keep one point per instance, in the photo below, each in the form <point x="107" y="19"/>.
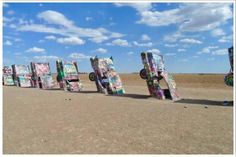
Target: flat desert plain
<point x="57" y="122"/>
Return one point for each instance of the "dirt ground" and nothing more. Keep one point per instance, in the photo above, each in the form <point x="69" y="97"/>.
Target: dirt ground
<point x="57" y="122"/>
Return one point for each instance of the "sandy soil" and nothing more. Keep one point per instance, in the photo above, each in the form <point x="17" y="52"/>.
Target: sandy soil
<point x="53" y="121"/>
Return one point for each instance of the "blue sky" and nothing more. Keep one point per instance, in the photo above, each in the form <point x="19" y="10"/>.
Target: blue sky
<point x="193" y="38"/>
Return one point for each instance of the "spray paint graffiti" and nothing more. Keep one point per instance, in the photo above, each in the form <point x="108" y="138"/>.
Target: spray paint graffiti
<point x="154" y="71"/>
<point x="229" y="78"/>
<point x="42" y="77"/>
<point x="106" y="78"/>
<point x="7" y="76"/>
<point x="68" y="76"/>
<point x="22" y="75"/>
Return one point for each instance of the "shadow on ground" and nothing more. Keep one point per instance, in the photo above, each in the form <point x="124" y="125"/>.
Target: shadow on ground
<point x="53" y="89"/>
<point x="135" y="96"/>
<point x="205" y="102"/>
<point x="88" y="92"/>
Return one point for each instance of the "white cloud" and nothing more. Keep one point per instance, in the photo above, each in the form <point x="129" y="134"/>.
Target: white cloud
<point x="205" y="16"/>
<point x="207" y="49"/>
<point x="50" y="37"/>
<point x="170" y="54"/>
<point x="145" y="37"/>
<point x="181" y="50"/>
<point x="101" y="50"/>
<point x="17" y="39"/>
<point x="71" y="41"/>
<point x="226" y="39"/>
<point x="154" y="51"/>
<point x="36" y="50"/>
<point x="67" y="28"/>
<point x="220" y="52"/>
<point x="40" y="29"/>
<point x="190" y="41"/>
<point x="78" y="56"/>
<point x="88" y="18"/>
<point x="120" y="42"/>
<point x="45" y="58"/>
<point x="191" y="17"/>
<point x="138" y="6"/>
<point x="156" y="18"/>
<point x="54" y="17"/>
<point x="173" y="37"/>
<point x="217" y="32"/>
<point x="99" y="39"/>
<point x="204" y="50"/>
<point x="8" y="43"/>
<point x="213" y="47"/>
<point x="12" y="25"/>
<point x="149" y="44"/>
<point x="40" y="4"/>
<point x="171" y="45"/>
<point x="116" y="35"/>
<point x="10" y="12"/>
<point x="195" y="56"/>
<point x="5" y="19"/>
<point x="22" y="21"/>
<point x="41" y="41"/>
<point x="130" y="53"/>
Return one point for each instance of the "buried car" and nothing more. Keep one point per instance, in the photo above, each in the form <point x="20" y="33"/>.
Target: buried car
<point x="22" y="75"/>
<point x="7" y="76"/>
<point x="42" y="76"/>
<point x="229" y="78"/>
<point x="154" y="71"/>
<point x="106" y="78"/>
<point x="68" y="76"/>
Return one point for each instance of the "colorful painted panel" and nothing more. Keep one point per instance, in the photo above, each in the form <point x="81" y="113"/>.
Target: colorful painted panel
<point x="70" y="69"/>
<point x="22" y="70"/>
<point x="22" y="75"/>
<point x="152" y="80"/>
<point x="156" y="61"/>
<point x="42" y="69"/>
<point x="47" y="82"/>
<point x="8" y="80"/>
<point x="107" y="79"/>
<point x="24" y="81"/>
<point x="115" y="82"/>
<point x="155" y="71"/>
<point x="68" y="76"/>
<point x="7" y="70"/>
<point x="105" y="64"/>
<point x="7" y="76"/>
<point x="42" y="76"/>
<point x="171" y="85"/>
<point x="74" y="86"/>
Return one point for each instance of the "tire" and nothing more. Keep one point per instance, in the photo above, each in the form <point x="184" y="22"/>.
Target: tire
<point x="143" y="74"/>
<point x="92" y="76"/>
